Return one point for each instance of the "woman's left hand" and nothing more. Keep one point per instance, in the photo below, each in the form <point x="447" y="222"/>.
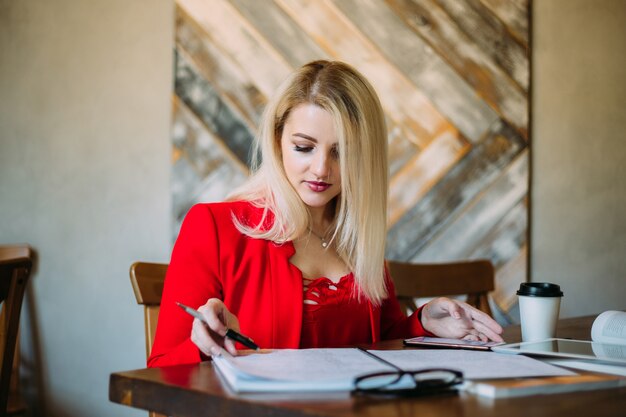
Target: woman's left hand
<point x="455" y="319"/>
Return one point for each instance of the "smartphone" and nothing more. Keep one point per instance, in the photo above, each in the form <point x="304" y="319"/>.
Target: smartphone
<point x="450" y="343"/>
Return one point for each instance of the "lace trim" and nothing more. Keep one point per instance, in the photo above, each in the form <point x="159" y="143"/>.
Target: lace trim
<point x="323" y="291"/>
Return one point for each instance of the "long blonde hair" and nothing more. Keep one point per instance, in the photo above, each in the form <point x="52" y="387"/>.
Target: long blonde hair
<point x="361" y="209"/>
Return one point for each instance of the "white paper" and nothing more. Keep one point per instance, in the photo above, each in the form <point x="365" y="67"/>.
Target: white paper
<point x="335" y="369"/>
<point x="473" y="364"/>
<point x="307" y="364"/>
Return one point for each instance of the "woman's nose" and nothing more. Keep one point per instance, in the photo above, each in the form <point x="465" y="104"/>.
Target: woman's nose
<point x="321" y="165"/>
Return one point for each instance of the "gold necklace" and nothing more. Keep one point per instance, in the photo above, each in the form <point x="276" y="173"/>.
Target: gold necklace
<point x="322" y="238"/>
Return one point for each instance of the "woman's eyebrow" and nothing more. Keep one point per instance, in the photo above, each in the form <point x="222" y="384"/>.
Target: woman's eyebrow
<point x="305" y="136"/>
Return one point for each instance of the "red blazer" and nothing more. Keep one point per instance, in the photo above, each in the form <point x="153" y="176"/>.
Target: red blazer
<point x="253" y="277"/>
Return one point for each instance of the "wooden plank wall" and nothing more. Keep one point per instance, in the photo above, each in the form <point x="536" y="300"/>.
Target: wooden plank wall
<point x="453" y="78"/>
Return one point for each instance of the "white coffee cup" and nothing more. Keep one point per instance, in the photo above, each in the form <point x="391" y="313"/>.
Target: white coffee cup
<point x="539" y="304"/>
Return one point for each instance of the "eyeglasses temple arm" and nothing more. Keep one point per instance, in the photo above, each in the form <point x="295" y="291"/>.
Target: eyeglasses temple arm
<point x="379" y="359"/>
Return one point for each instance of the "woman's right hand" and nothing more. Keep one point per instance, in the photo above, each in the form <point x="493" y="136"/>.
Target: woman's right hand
<point x="210" y="338"/>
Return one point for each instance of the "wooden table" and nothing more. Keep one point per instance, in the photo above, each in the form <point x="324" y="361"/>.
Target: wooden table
<point x="196" y="390"/>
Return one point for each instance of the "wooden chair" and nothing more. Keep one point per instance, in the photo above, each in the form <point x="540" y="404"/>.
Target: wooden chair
<point x="15" y="268"/>
<point x="474" y="278"/>
<point x="147" y="280"/>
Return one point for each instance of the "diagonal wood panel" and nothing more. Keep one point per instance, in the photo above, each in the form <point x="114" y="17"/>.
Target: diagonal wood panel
<point x="476" y="66"/>
<point x="453" y="194"/>
<point x="492" y="36"/>
<point x="452" y="76"/>
<point x="477" y="220"/>
<point x="204" y="167"/>
<point x="231" y="32"/>
<point x="234" y="83"/>
<point x="405" y="104"/>
<point x="405" y="49"/>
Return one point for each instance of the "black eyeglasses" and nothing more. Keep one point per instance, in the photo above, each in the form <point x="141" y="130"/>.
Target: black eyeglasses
<point x="407" y="383"/>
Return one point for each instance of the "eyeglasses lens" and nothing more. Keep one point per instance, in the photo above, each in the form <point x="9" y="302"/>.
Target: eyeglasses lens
<point x="408" y="380"/>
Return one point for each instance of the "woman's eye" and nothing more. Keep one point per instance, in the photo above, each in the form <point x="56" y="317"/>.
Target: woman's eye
<point x="335" y="153"/>
<point x="302" y="148"/>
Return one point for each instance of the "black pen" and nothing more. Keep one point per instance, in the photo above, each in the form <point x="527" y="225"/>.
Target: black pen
<point x="230" y="333"/>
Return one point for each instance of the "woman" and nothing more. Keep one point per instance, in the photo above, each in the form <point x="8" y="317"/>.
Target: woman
<point x="295" y="258"/>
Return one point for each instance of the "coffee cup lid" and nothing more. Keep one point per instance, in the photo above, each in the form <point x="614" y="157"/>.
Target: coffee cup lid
<point x="539" y="289"/>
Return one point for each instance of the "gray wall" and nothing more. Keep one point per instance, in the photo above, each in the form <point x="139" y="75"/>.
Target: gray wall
<point x="578" y="187"/>
<point x="84" y="178"/>
<point x="84" y="166"/>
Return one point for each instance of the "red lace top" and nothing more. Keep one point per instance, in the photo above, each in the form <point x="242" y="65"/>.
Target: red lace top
<point x="332" y="316"/>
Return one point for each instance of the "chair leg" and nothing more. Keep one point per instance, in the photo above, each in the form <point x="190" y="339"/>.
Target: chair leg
<point x="16" y="404"/>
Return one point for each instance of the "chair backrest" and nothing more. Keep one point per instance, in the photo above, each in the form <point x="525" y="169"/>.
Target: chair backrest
<point x="15" y="267"/>
<point x="147" y="279"/>
<point x="474" y="278"/>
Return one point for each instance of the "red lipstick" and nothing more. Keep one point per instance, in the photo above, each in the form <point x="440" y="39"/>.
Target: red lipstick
<point x="318" y="186"/>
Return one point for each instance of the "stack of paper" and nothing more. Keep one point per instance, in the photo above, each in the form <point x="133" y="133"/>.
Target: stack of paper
<point x="335" y="369"/>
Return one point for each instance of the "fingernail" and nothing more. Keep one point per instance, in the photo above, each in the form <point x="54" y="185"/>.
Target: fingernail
<point x="215" y="351"/>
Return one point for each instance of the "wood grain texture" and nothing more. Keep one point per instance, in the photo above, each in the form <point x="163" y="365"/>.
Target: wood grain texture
<point x="492" y="36"/>
<point x="400" y="150"/>
<point x="479" y="70"/>
<point x="205" y="168"/>
<point x="236" y="86"/>
<point x="514" y="14"/>
<point x="209" y="106"/>
<point x="285" y="35"/>
<point x="479" y="168"/>
<point x="504" y="245"/>
<point x="508" y="278"/>
<point x="339" y="37"/>
<point x="233" y="33"/>
<point x="448" y="92"/>
<point x="418" y="176"/>
<point x="473" y="279"/>
<point x="507" y="237"/>
<point x="464" y="233"/>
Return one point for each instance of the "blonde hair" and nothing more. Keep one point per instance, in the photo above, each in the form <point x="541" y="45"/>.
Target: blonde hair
<point x="361" y="209"/>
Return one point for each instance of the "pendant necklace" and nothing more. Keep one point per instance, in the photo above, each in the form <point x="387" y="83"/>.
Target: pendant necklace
<point x="322" y="238"/>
